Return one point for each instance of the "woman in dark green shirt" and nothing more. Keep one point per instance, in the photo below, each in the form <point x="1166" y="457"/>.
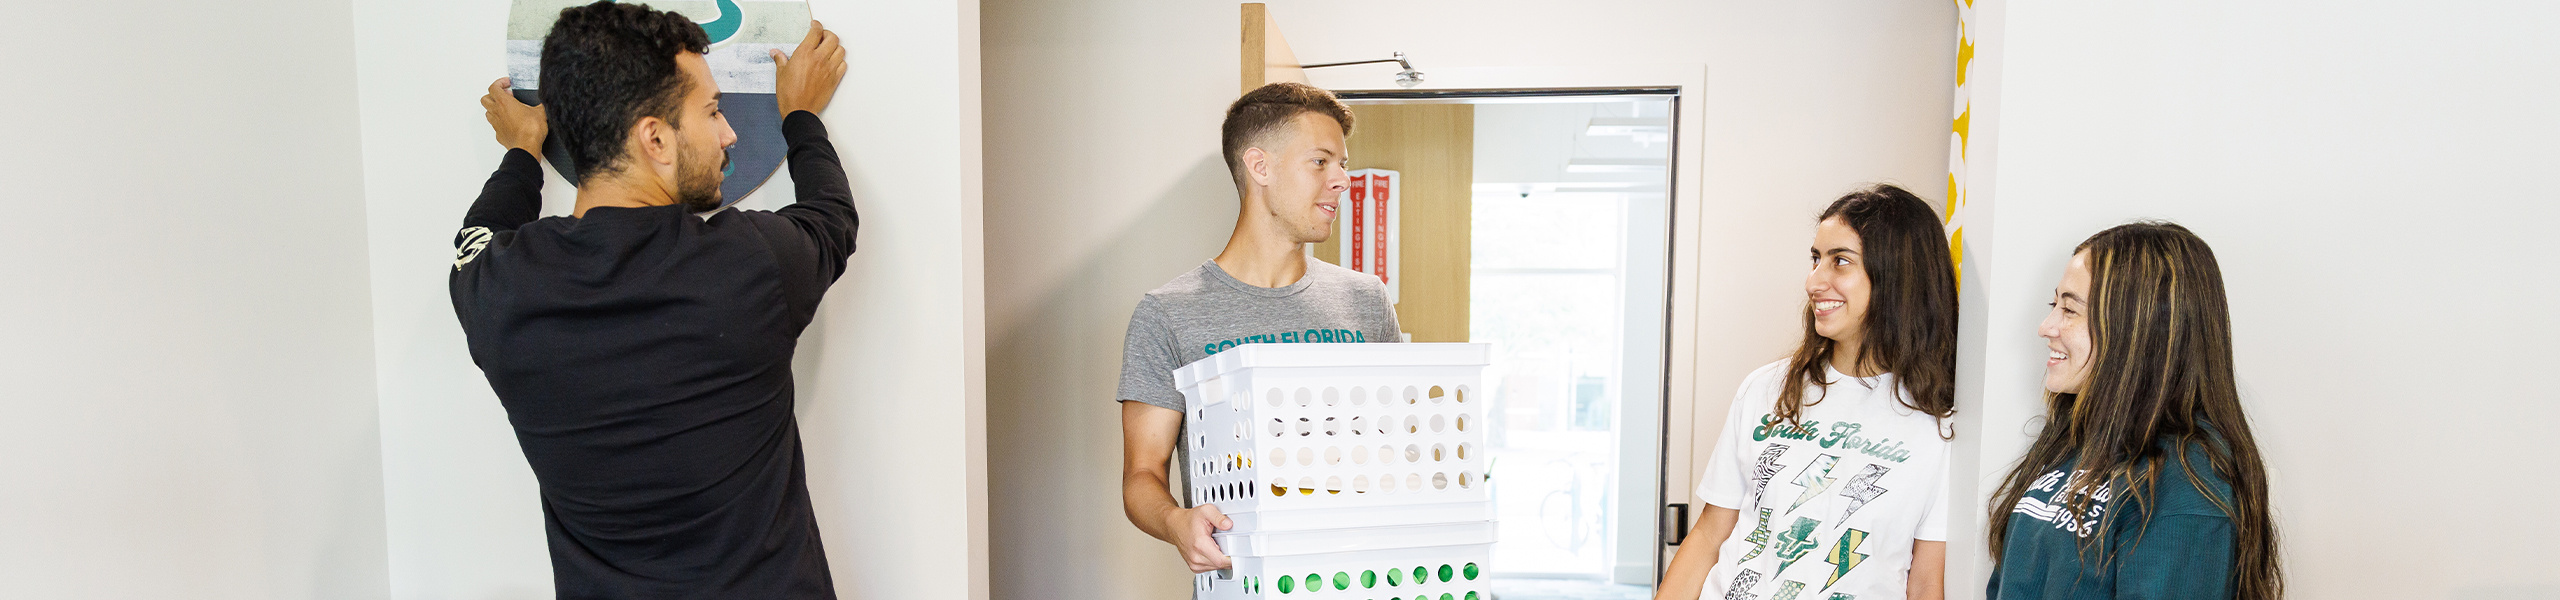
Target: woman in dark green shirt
<point x="2146" y="482"/>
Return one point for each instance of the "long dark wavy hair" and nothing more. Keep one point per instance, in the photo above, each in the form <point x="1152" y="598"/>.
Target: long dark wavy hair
<point x="1910" y="328"/>
<point x="2160" y="383"/>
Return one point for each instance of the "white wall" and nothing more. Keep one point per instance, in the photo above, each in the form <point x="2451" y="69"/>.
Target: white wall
<point x="888" y="376"/>
<point x="186" y="384"/>
<point x="1105" y="181"/>
<point x="2374" y="180"/>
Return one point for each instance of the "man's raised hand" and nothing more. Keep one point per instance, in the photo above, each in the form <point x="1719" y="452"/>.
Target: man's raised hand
<point x="517" y="125"/>
<point x="806" y="79"/>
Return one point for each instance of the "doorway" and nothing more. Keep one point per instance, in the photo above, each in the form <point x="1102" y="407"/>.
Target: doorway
<point x="1538" y="221"/>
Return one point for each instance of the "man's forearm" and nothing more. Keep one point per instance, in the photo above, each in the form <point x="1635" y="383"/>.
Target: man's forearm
<point x="512" y="197"/>
<point x="817" y="173"/>
<point x="1147" y="499"/>
<point x="824" y="210"/>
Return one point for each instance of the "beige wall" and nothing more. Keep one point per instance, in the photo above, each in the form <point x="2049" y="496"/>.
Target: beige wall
<point x="186" y="355"/>
<point x="1104" y="181"/>
<point x="2374" y="181"/>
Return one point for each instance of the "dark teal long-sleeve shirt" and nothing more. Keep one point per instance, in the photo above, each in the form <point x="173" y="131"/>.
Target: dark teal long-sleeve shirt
<point x="2175" y="545"/>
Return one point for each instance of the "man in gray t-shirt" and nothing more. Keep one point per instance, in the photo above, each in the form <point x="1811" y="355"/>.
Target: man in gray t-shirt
<point x="1284" y="144"/>
<point x="1206" y="310"/>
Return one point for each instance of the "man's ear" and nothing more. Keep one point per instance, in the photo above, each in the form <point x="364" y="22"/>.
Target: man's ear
<point x="653" y="142"/>
<point x="1257" y="166"/>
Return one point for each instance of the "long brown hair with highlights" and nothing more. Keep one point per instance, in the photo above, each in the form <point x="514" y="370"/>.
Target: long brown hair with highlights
<point x="2159" y="385"/>
<point x="1910" y="328"/>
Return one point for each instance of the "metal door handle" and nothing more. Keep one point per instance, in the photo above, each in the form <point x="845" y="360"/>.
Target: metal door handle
<point x="1680" y="532"/>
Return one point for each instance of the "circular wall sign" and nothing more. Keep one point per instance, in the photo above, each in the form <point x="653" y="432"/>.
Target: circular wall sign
<point x="740" y="31"/>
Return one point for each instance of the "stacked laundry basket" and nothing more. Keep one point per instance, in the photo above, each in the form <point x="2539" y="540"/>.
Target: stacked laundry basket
<point x="1352" y="471"/>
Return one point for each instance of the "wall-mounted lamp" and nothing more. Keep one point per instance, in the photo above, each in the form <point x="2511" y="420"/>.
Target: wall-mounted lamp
<point x="1406" y="78"/>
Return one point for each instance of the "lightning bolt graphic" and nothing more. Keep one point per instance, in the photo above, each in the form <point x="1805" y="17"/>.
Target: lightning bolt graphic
<point x="1796" y="542"/>
<point x="1766" y="468"/>
<point x="1759" y="537"/>
<point x="1815" y="482"/>
<point x="1741" y="588"/>
<point x="1863" y="488"/>
<point x="1844" y="555"/>
<point x="1788" y="591"/>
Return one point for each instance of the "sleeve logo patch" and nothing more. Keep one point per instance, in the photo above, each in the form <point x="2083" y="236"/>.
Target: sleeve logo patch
<point x="468" y="245"/>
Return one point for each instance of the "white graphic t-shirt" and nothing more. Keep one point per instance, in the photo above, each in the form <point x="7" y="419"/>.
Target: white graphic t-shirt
<point x="1831" y="504"/>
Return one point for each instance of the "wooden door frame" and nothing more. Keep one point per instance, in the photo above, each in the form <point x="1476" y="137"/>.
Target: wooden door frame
<point x="1266" y="54"/>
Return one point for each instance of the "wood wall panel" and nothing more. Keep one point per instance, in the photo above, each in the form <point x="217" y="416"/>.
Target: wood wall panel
<point x="1433" y="147"/>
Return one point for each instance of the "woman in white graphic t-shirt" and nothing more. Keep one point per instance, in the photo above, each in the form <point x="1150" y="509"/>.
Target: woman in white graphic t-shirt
<point x="1827" y="482"/>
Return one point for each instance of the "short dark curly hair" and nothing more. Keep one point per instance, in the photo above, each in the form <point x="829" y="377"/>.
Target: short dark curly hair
<point x="1263" y="111"/>
<point x="606" y="65"/>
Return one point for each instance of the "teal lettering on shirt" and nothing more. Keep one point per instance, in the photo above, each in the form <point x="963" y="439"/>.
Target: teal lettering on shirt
<point x="1310" y="336"/>
<point x="1770" y="427"/>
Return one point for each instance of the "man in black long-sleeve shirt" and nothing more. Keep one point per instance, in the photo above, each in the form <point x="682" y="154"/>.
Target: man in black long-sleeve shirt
<point x="643" y="353"/>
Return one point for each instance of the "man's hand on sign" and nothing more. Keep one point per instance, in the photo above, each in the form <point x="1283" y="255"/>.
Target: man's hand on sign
<point x="517" y="125"/>
<point x="806" y="79"/>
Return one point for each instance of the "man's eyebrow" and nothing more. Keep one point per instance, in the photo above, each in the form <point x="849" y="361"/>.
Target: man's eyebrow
<point x="715" y="96"/>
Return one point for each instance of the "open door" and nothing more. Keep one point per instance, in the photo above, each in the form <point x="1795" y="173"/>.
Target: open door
<point x="1428" y="147"/>
<point x="1574" y="186"/>
<point x="1568" y="282"/>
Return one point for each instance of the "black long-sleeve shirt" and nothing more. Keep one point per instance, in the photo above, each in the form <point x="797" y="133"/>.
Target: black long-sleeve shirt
<point x="644" y="358"/>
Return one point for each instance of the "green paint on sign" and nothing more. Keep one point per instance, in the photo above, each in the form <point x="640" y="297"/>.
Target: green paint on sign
<point x="725" y="27"/>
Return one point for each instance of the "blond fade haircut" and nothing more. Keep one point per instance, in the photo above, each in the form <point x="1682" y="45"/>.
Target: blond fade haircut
<point x="1266" y="112"/>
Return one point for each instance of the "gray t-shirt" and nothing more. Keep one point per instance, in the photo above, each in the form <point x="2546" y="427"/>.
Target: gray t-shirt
<point x="1206" y="310"/>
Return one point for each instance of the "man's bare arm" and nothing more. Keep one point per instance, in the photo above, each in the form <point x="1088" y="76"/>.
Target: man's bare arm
<point x="1147" y="435"/>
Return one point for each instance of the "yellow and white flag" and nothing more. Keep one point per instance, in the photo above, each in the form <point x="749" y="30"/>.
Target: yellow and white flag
<point x="1959" y="146"/>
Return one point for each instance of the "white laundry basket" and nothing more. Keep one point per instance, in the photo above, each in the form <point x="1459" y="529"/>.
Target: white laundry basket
<point x="1405" y="562"/>
<point x="1278" y="428"/>
<point x="1352" y="471"/>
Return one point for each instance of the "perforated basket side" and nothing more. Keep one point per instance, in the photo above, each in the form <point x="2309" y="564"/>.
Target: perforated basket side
<point x="1460" y="572"/>
<point x="1314" y="437"/>
<point x="1348" y="539"/>
<point x="1301" y="519"/>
